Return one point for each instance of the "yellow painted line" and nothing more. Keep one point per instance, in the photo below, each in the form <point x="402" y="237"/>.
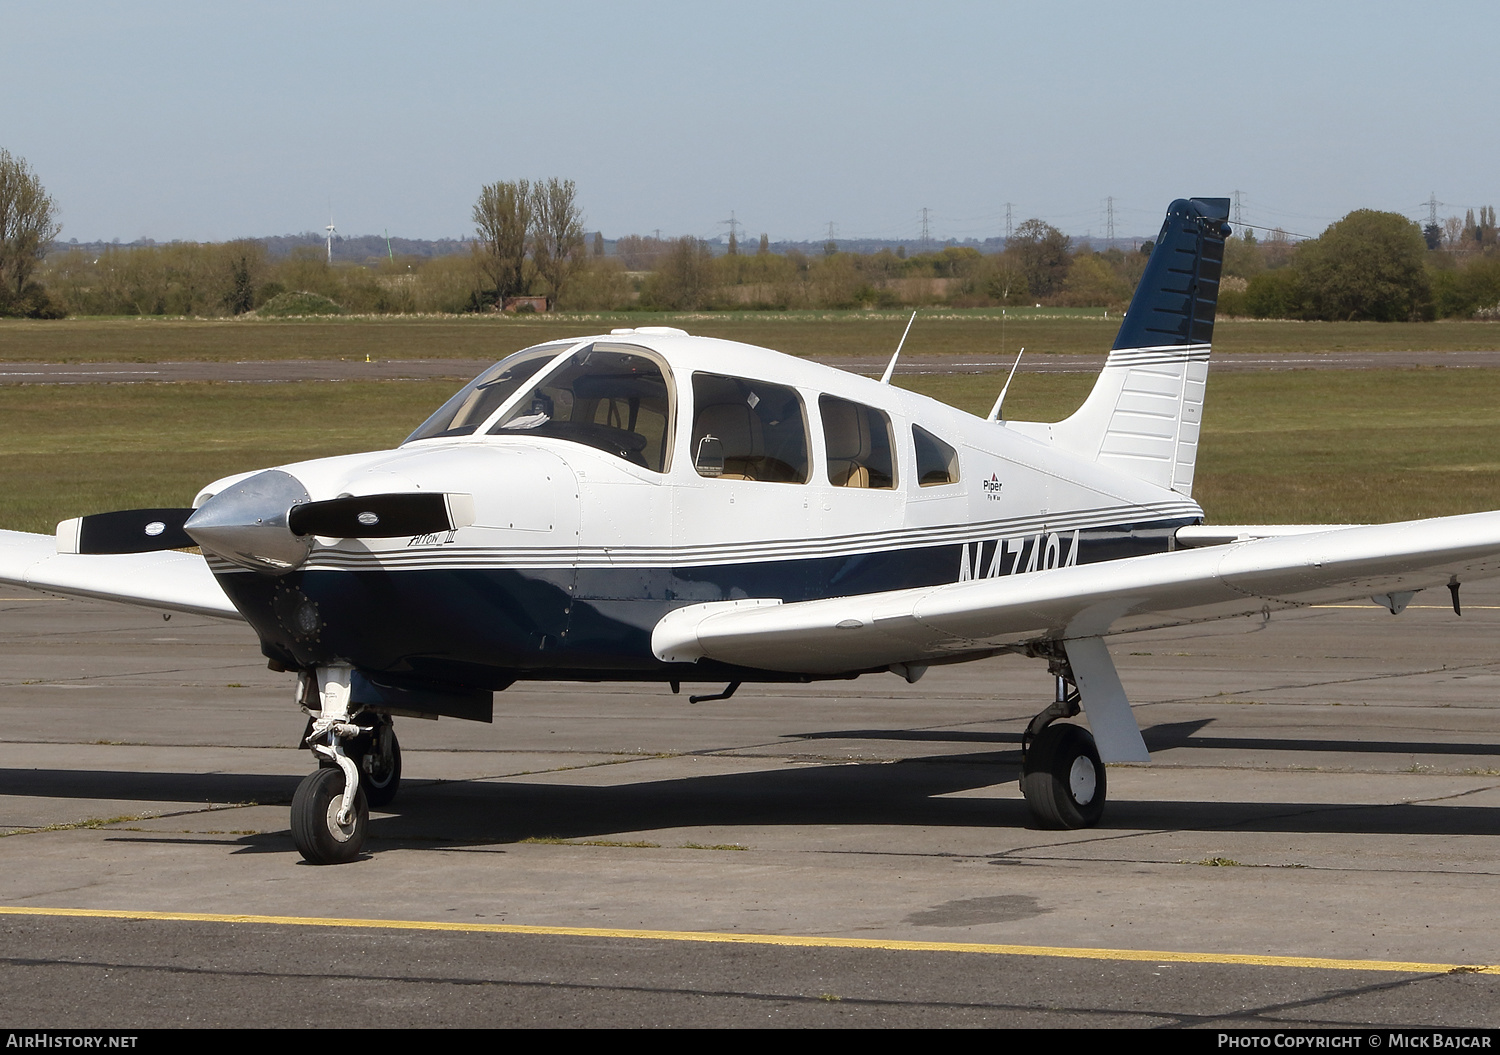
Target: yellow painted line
<point x="1414" y="607"/>
<point x="796" y="940"/>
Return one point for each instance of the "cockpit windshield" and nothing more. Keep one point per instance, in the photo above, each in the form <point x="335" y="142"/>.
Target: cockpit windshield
<point x="481" y="397"/>
<point x="613" y="397"/>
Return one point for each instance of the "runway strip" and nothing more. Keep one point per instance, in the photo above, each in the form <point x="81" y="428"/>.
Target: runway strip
<point x="289" y="371"/>
<point x="801" y="941"/>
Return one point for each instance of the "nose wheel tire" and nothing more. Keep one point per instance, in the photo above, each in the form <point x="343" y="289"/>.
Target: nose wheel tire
<point x="320" y="838"/>
<point x="1063" y="780"/>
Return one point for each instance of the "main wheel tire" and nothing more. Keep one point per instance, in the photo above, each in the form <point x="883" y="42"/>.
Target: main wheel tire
<point x="380" y="783"/>
<point x="320" y="839"/>
<point x="1063" y="779"/>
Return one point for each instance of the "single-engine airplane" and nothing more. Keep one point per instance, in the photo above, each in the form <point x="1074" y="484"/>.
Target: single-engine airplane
<point x="648" y="505"/>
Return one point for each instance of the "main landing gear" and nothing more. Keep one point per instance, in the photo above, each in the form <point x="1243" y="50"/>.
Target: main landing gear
<point x="1062" y="777"/>
<point x="359" y="766"/>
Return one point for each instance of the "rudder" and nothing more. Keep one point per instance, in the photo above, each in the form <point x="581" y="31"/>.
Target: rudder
<point x="1144" y="412"/>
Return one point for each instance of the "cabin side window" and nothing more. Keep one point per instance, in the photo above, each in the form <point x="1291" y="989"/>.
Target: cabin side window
<point x="614" y="398"/>
<point x="937" y="463"/>
<point x="858" y="443"/>
<point x="748" y="430"/>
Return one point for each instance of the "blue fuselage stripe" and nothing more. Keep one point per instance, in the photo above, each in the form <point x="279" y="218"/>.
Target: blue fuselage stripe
<point x="488" y="626"/>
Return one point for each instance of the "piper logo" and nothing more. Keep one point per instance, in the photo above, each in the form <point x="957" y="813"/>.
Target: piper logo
<point x="992" y="487"/>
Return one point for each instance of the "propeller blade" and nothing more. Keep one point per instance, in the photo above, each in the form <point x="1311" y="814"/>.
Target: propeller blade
<point x="382" y="516"/>
<point x="125" y="531"/>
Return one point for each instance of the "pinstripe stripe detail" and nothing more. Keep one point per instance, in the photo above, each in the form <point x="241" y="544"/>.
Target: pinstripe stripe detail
<point x="462" y="557"/>
<point x="1166" y="354"/>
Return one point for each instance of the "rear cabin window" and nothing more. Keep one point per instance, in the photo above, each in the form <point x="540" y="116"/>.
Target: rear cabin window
<point x="859" y="447"/>
<point x="937" y="463"/>
<point x="481" y="397"/>
<point x="748" y="430"/>
<point x="611" y="397"/>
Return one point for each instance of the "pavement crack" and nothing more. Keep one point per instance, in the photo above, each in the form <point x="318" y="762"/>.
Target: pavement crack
<point x="1454" y="795"/>
<point x="758" y="996"/>
<point x="1388" y="675"/>
<point x="1322" y="1000"/>
<point x="109" y="822"/>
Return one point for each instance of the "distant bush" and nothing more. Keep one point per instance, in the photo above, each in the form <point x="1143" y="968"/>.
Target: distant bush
<point x="1473" y="290"/>
<point x="600" y="283"/>
<point x="33" y="303"/>
<point x="1233" y="302"/>
<point x="1275" y="295"/>
<point x="1369" y="265"/>
<point x="300" y="302"/>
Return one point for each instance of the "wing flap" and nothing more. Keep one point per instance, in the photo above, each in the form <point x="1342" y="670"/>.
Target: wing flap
<point x="925" y="625"/>
<point x="1195" y="535"/>
<point x="167" y="580"/>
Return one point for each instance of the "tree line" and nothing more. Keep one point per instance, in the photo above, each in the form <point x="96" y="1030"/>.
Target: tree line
<point x="523" y="250"/>
<point x="529" y="243"/>
<point x="1371" y="265"/>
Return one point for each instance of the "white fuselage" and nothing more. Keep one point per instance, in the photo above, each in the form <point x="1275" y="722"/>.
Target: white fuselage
<point x="607" y="546"/>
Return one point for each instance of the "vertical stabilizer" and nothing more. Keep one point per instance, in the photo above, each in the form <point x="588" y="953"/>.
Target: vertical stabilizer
<point x="1143" y="414"/>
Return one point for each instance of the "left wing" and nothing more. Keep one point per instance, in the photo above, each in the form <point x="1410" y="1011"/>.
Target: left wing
<point x="926" y="625"/>
<point x="168" y="580"/>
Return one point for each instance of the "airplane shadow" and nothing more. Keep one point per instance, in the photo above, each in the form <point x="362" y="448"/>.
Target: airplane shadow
<point x="911" y="792"/>
<point x="1168" y="735"/>
<point x="907" y="793"/>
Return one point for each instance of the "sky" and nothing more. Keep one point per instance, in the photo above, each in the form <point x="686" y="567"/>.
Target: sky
<point x="208" y="121"/>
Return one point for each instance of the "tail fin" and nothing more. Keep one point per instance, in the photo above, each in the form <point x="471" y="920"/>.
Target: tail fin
<point x="1143" y="415"/>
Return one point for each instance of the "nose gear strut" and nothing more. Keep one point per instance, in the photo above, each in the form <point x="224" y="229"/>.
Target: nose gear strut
<point x="330" y="813"/>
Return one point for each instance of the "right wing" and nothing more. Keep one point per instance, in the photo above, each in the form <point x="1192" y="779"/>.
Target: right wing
<point x="168" y="580"/>
<point x="913" y="627"/>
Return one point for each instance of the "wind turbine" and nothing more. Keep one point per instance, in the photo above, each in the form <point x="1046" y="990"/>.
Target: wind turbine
<point x="330" y="230"/>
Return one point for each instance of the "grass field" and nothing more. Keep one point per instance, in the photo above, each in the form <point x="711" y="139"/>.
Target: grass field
<point x="937" y="332"/>
<point x="1332" y="447"/>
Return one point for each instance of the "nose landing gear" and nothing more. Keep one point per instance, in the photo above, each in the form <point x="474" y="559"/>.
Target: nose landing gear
<point x="359" y="763"/>
<point x="324" y="831"/>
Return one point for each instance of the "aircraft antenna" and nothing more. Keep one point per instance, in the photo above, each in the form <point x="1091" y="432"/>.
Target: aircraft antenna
<point x="890" y="368"/>
<point x="995" y="410"/>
